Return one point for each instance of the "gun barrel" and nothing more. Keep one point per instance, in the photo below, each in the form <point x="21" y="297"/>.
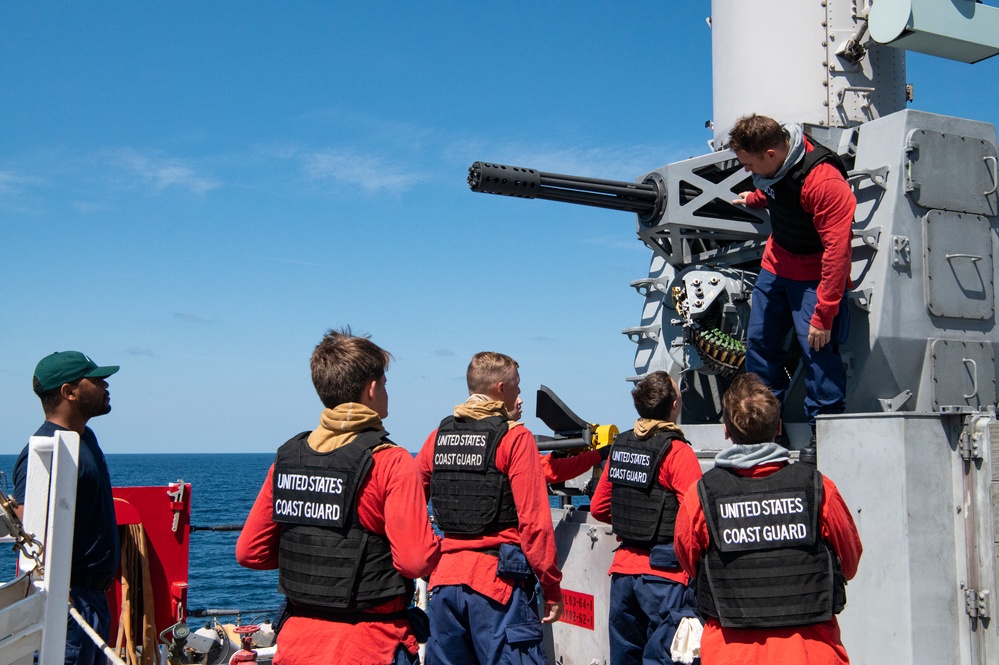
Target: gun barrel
<point x="644" y="199"/>
<point x="547" y="443"/>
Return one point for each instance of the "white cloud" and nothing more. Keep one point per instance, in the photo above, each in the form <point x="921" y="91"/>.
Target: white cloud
<point x="13" y="184"/>
<point x="368" y="172"/>
<point x="162" y="172"/>
<point x="608" y="162"/>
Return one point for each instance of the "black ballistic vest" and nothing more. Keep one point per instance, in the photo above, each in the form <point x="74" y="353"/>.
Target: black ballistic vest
<point x="767" y="566"/>
<point x="792" y="227"/>
<point x="643" y="512"/>
<point x="469" y="494"/>
<point x="326" y="559"/>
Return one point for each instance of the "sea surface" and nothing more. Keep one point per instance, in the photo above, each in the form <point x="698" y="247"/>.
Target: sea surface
<point x="223" y="488"/>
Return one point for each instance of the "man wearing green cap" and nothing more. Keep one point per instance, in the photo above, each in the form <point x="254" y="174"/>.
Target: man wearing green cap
<point x="73" y="389"/>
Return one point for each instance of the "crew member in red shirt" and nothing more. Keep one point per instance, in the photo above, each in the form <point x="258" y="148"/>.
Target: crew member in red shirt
<point x="771" y="545"/>
<point x="559" y="468"/>
<point x="343" y="517"/>
<point x="482" y="473"/>
<point x="649" y="471"/>
<point x="805" y="269"/>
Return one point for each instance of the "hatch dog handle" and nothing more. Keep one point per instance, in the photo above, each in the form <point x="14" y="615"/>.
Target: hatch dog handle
<point x="995" y="173"/>
<point x="974" y="376"/>
<point x="973" y="257"/>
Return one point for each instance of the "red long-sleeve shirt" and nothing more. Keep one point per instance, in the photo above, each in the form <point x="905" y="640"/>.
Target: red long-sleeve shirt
<point x="815" y="644"/>
<point x="827" y="196"/>
<point x="561" y="469"/>
<point x="517" y="457"/>
<point x="390" y="502"/>
<point x="678" y="471"/>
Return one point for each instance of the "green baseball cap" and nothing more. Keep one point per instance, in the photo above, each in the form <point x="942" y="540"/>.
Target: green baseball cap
<point x="66" y="367"/>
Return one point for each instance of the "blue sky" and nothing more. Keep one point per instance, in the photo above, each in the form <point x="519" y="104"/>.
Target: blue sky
<point x="197" y="191"/>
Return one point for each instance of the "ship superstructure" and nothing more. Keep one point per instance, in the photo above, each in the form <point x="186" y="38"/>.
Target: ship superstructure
<point x="913" y="455"/>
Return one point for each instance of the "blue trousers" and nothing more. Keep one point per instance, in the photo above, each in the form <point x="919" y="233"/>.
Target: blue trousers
<point x="467" y="628"/>
<point x="92" y="606"/>
<point x="644" y="613"/>
<point x="780" y="304"/>
<point x="403" y="657"/>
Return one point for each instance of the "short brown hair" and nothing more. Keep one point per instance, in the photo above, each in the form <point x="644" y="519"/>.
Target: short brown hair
<point x="343" y="364"/>
<point x="654" y="396"/>
<point x="488" y="368"/>
<point x="756" y="134"/>
<point x="750" y="411"/>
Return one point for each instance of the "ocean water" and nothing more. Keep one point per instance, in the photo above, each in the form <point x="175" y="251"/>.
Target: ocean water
<point x="223" y="488"/>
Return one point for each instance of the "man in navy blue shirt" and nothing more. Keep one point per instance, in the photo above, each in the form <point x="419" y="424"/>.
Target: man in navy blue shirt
<point x="73" y="389"/>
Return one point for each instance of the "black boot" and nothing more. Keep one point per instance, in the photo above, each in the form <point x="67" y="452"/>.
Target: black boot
<point x="809" y="454"/>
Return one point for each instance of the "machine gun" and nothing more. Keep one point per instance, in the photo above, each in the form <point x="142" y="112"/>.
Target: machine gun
<point x="707" y="195"/>
<point x="645" y="199"/>
<point x="572" y="433"/>
<point x="710" y="301"/>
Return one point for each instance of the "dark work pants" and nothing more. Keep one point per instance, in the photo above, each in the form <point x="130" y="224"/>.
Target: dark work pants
<point x="780" y="304"/>
<point x="467" y="628"/>
<point x="644" y="613"/>
<point x="92" y="606"/>
<point x="403" y="657"/>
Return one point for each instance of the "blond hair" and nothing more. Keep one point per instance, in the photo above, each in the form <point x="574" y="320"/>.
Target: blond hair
<point x="488" y="368"/>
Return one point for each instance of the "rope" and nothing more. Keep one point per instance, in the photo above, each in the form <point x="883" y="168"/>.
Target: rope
<point x="136" y="592"/>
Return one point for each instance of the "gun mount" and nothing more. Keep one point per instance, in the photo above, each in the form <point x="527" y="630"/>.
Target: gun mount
<point x="711" y="250"/>
<point x="915" y="453"/>
<point x="572" y="433"/>
<point x="909" y="313"/>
